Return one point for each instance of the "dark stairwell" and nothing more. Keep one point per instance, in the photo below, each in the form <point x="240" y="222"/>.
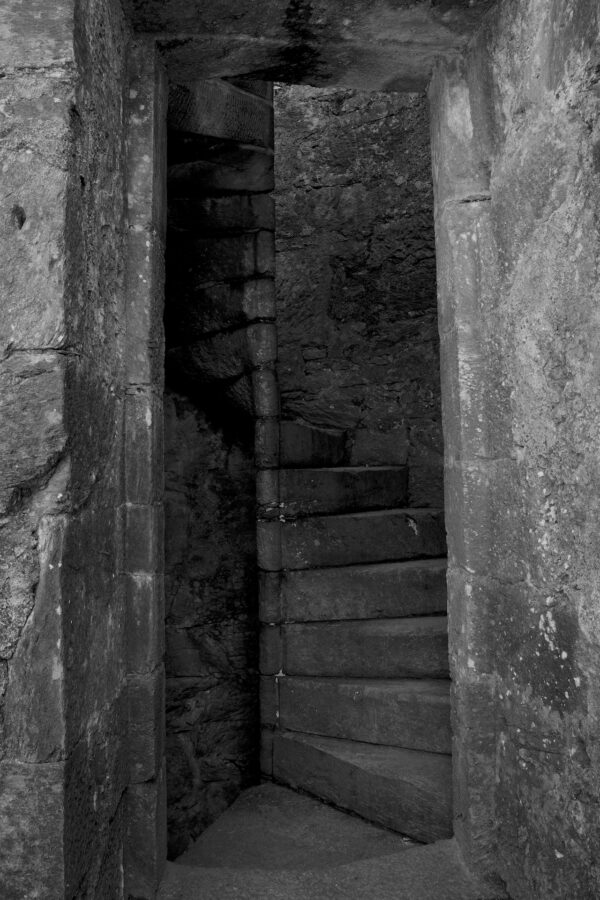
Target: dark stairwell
<point x="354" y="690"/>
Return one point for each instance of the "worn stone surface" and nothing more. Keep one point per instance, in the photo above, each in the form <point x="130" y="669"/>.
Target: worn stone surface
<point x="516" y="137"/>
<point x="414" y="714"/>
<point x="304" y="492"/>
<point x="384" y="590"/>
<point x="370" y="46"/>
<point x="414" y="873"/>
<point x="388" y="648"/>
<point x="219" y="109"/>
<point x="212" y="710"/>
<point x="358" y="345"/>
<point x="63" y="139"/>
<point x="405" y="790"/>
<point x="356" y="538"/>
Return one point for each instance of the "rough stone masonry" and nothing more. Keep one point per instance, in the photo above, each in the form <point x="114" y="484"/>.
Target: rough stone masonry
<point x="514" y="111"/>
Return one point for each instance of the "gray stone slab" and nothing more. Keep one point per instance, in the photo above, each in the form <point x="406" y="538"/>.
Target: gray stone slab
<point x="389" y="535"/>
<point x="305" y="492"/>
<point x="272" y="828"/>
<point x="412" y="714"/>
<point x="381" y="590"/>
<point x="386" y="648"/>
<point x="407" y="790"/>
<point x="274" y="843"/>
<point x="303" y="445"/>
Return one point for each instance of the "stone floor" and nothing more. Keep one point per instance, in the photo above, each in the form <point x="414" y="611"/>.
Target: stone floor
<point x="275" y="844"/>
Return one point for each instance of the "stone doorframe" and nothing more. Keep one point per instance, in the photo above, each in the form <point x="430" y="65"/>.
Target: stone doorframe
<point x="462" y="214"/>
<point x="509" y="560"/>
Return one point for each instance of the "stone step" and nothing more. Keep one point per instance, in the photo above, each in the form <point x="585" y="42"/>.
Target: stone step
<point x="219" y="109"/>
<point x="412" y="714"/>
<point x="382" y="590"/>
<point x="306" y="492"/>
<point x="302" y="445"/>
<point x="342" y="540"/>
<point x="385" y="648"/>
<point x="409" y="791"/>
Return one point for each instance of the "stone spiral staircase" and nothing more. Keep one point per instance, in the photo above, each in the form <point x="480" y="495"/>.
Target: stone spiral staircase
<point x="355" y="701"/>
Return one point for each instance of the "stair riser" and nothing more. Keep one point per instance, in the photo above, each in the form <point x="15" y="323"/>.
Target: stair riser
<point x="368" y="712"/>
<point x="351" y="539"/>
<point x="367" y="650"/>
<point x="418" y="810"/>
<point x="301" y="445"/>
<point x="305" y="492"/>
<point x="383" y="591"/>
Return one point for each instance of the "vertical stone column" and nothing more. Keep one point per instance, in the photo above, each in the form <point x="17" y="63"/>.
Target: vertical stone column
<point x="142" y="512"/>
<point x="474" y="411"/>
<point x="37" y="84"/>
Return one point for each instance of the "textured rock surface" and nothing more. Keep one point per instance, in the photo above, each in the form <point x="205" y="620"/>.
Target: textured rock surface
<point x="373" y="46"/>
<point x="220" y="345"/>
<point x="516" y="163"/>
<point x="62" y="142"/>
<point x="212" y="712"/>
<point x="356" y="293"/>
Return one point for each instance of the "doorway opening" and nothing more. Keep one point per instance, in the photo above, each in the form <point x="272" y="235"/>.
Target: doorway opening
<point x="302" y="386"/>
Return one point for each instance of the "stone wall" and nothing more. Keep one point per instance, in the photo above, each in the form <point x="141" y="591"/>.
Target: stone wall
<point x="356" y="293"/>
<point x="516" y="137"/>
<point x="219" y="296"/>
<point x="64" y="710"/>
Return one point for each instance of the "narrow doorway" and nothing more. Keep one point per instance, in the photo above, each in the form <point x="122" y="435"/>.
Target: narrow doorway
<point x="344" y="447"/>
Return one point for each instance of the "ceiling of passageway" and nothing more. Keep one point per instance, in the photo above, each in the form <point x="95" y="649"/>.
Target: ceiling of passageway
<point x="368" y="44"/>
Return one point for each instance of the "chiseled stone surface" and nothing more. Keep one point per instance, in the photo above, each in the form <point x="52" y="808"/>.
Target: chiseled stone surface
<point x="373" y="46"/>
<point x="517" y="135"/>
<point x="212" y="703"/>
<point x="357" y="327"/>
<point x="411" y="713"/>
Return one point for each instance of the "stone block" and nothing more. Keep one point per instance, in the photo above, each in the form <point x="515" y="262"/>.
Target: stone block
<point x="386" y="648"/>
<point x="305" y="492"/>
<point x="268" y="540"/>
<point x="31" y="830"/>
<point x="267" y="493"/>
<point x="269" y="700"/>
<point x="145" y="851"/>
<point x="377" y="448"/>
<point x="405" y="790"/>
<point x="266" y="443"/>
<point x="265" y="253"/>
<point x="351" y="538"/>
<point x="242" y="169"/>
<point x="271" y="650"/>
<point x="193" y="260"/>
<point x="146" y="734"/>
<point x="269" y="597"/>
<point x="379" y="591"/>
<point x="145" y="290"/>
<point x="219" y="109"/>
<point x="266" y="393"/>
<point x="145" y="622"/>
<point x="413" y="714"/>
<point x="33" y="163"/>
<point x="143" y="467"/>
<point x="259" y="299"/>
<point x="304" y="445"/>
<point x="144" y="537"/>
<point x="222" y="357"/>
<point x="211" y="215"/>
<point x="33" y="429"/>
<point x="266" y="752"/>
<point x="33" y="708"/>
<point x="262" y="344"/>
